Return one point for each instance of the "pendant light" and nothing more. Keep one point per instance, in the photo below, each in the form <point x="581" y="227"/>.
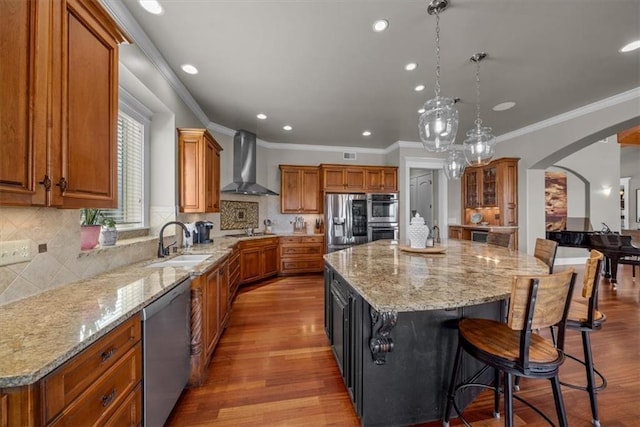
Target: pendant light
<point x="479" y="146"/>
<point x="455" y="163"/>
<point x="439" y="123"/>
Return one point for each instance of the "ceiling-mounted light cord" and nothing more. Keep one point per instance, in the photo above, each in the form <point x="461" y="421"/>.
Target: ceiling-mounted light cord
<point x="437" y="87"/>
<point x="478" y="119"/>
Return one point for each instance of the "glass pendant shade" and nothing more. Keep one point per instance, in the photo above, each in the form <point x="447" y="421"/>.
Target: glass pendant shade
<point x="456" y="162"/>
<point x="479" y="146"/>
<point x="438" y="125"/>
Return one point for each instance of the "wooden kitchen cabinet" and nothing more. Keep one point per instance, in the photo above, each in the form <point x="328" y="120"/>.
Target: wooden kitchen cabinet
<point x="59" y="127"/>
<point x="258" y="259"/>
<point x="198" y="171"/>
<point x="492" y="191"/>
<point x="341" y="178"/>
<point x="300" y="189"/>
<point x="209" y="316"/>
<point x="455" y="232"/>
<point x="95" y="387"/>
<point x="382" y="179"/>
<point x="301" y="254"/>
<point x="234" y="273"/>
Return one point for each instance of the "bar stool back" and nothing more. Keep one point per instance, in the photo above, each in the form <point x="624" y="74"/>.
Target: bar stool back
<point x="513" y="348"/>
<point x="587" y="318"/>
<point x="545" y="250"/>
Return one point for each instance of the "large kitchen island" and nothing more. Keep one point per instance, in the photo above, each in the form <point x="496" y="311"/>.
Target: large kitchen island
<point x="391" y="318"/>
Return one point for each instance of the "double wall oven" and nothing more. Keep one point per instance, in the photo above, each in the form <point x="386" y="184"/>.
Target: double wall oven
<point x="382" y="216"/>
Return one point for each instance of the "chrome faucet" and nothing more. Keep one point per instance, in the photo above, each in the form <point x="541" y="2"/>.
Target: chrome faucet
<point x="162" y="251"/>
<point x="435" y="232"/>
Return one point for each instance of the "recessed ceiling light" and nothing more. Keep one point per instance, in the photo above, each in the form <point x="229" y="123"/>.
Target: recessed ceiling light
<point x="422" y="110"/>
<point x="380" y="25"/>
<point x="261" y="116"/>
<point x="287" y="127"/>
<point x="631" y="46"/>
<point x="410" y="66"/>
<point x="504" y="106"/>
<point x="366" y="133"/>
<point x="151" y="6"/>
<point x="189" y="69"/>
<point x="419" y="88"/>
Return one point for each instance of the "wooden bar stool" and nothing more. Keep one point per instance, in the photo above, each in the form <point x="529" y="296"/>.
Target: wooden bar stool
<point x="545" y="250"/>
<point x="587" y="318"/>
<point x="500" y="239"/>
<point x="513" y="348"/>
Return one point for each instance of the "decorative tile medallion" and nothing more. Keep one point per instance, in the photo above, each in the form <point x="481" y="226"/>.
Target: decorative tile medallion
<point x="236" y="215"/>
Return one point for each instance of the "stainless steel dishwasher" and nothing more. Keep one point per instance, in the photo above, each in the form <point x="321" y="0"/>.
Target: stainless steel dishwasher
<point x="166" y="339"/>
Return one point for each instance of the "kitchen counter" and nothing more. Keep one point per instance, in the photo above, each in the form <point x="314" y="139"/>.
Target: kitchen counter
<point x="39" y="333"/>
<point x="390" y="279"/>
<point x="391" y="318"/>
<point x="486" y="227"/>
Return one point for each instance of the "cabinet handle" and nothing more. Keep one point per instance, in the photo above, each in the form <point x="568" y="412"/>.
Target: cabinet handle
<point x="46" y="182"/>
<point x="62" y="184"/>
<point x="106" y="355"/>
<point x="107" y="399"/>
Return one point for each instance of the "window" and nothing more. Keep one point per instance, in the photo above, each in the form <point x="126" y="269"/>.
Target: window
<point x="131" y="172"/>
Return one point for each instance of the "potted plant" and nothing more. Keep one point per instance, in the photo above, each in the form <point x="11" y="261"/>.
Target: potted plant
<point x="90" y="227"/>
<point x="109" y="232"/>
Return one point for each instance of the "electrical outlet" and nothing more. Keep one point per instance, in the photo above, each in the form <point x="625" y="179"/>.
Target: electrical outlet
<point x="16" y="251"/>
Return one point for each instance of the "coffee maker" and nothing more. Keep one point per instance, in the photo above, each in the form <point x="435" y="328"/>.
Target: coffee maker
<point x="203" y="229"/>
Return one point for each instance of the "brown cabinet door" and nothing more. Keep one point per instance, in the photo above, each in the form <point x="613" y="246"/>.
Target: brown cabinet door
<point x="23" y="85"/>
<point x="223" y="296"/>
<point x="290" y="190"/>
<point x="354" y="179"/>
<point x="333" y="178"/>
<point x="85" y="108"/>
<point x="198" y="171"/>
<point x="250" y="264"/>
<point x="216" y="182"/>
<point x="471" y="184"/>
<point x="209" y="172"/>
<point x="373" y="177"/>
<point x="389" y="179"/>
<point x="510" y="194"/>
<point x="310" y="194"/>
<point x="270" y="261"/>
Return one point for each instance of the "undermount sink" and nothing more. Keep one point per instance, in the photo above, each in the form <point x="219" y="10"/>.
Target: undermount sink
<point x="244" y="235"/>
<point x="181" y="261"/>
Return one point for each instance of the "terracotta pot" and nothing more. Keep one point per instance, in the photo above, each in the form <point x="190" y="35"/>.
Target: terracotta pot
<point x="89" y="236"/>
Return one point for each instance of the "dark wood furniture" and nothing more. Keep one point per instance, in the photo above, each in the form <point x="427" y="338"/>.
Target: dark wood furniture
<point x="198" y="171"/>
<point x="58" y="127"/>
<point x="513" y="348"/>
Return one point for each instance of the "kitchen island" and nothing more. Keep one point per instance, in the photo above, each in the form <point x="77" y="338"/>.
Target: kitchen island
<point x="391" y="318"/>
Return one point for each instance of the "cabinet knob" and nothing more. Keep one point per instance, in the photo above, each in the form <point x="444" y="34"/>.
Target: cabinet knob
<point x="46" y="182"/>
<point x="62" y="184"/>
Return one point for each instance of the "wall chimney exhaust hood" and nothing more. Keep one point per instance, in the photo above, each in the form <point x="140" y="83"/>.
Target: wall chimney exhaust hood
<point x="244" y="167"/>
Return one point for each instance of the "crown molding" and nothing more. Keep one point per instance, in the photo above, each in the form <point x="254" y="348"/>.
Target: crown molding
<point x="573" y="114"/>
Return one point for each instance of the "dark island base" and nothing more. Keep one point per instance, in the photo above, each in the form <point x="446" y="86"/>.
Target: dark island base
<point x="409" y="384"/>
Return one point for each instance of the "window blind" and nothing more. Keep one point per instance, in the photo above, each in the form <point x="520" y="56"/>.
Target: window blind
<point x="130" y="173"/>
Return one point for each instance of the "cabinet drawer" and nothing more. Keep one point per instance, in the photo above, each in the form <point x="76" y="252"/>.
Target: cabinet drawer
<point x="301" y="239"/>
<point x="67" y="382"/>
<point x="105" y="395"/>
<point x="130" y="411"/>
<point x="301" y="250"/>
<point x="301" y="265"/>
<point x="258" y="243"/>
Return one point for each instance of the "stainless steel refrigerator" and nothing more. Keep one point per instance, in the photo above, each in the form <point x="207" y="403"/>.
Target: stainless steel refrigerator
<point x="345" y="220"/>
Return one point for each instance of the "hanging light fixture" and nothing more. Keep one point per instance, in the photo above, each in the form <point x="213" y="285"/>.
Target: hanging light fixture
<point x="455" y="163"/>
<point x="439" y="123"/>
<point x="479" y="146"/>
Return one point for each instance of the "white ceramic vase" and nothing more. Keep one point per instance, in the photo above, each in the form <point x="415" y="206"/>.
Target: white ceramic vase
<point x="417" y="232"/>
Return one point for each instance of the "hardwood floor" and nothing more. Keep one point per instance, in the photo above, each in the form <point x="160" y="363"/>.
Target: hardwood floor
<point x="274" y="367"/>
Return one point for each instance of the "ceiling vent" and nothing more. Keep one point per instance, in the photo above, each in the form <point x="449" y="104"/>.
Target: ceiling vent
<point x="348" y="155"/>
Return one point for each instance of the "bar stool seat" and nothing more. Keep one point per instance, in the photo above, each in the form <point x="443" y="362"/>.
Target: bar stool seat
<point x="579" y="314"/>
<point x="513" y="348"/>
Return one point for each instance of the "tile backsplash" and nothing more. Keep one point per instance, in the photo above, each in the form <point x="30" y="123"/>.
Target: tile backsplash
<point x="63" y="262"/>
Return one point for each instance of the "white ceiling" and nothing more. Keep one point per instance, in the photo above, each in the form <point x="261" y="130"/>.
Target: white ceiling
<point x="318" y="66"/>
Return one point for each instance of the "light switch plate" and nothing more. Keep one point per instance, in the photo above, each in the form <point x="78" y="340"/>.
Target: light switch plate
<point x="15" y="251"/>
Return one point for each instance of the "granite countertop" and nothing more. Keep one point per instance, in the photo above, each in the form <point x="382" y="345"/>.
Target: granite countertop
<point x="40" y="333"/>
<point x="470" y="273"/>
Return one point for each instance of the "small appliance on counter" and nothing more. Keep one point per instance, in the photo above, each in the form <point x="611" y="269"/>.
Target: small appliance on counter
<point x="267" y="226"/>
<point x="203" y="230"/>
<point x="189" y="241"/>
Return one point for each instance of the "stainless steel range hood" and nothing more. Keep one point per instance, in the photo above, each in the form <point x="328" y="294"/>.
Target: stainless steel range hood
<point x="244" y="167"/>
